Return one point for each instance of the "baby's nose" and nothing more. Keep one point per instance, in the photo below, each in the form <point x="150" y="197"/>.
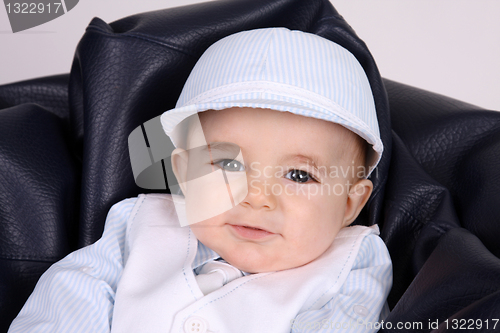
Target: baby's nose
<point x="260" y="194"/>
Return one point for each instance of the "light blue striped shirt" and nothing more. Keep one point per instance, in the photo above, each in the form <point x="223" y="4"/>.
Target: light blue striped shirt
<point x="77" y="293"/>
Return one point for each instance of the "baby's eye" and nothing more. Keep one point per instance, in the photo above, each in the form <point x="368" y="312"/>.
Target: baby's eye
<point x="299" y="176"/>
<point x="230" y="165"/>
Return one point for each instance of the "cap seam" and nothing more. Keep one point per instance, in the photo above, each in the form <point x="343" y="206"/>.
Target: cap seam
<point x="264" y="64"/>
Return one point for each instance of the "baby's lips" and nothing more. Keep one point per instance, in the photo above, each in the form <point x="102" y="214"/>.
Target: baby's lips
<point x="250" y="232"/>
<point x="252" y="227"/>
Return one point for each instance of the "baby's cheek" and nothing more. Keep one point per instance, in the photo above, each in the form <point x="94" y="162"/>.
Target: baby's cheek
<point x="205" y="232"/>
<point x="320" y="238"/>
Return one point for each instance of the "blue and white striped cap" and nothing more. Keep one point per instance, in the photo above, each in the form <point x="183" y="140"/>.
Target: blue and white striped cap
<point x="284" y="70"/>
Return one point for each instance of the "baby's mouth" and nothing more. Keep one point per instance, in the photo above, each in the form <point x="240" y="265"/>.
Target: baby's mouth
<point x="245" y="226"/>
<point x="248" y="232"/>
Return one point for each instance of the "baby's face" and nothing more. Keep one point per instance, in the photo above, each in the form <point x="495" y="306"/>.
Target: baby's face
<point x="300" y="187"/>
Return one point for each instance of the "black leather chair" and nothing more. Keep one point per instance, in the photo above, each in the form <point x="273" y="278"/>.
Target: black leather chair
<point x="64" y="158"/>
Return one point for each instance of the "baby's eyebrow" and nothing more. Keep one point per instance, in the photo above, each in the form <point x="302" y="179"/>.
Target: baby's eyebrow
<point x="300" y="158"/>
<point x="222" y="147"/>
<point x="311" y="160"/>
<point x="225" y="146"/>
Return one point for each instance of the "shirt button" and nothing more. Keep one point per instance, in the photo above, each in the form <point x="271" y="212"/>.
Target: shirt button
<point x="195" y="325"/>
<point x="360" y="310"/>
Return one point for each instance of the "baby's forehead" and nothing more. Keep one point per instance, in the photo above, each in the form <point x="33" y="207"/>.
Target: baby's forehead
<point x="257" y="124"/>
<point x="241" y="117"/>
<point x="271" y="120"/>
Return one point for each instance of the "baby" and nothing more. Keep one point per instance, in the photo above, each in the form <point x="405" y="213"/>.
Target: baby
<point x="275" y="133"/>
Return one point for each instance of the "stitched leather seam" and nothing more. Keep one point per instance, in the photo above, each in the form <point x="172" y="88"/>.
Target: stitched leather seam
<point x="142" y="37"/>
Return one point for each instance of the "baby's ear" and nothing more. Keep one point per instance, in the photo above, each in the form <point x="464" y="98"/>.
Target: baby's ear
<point x="180" y="159"/>
<point x="357" y="197"/>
